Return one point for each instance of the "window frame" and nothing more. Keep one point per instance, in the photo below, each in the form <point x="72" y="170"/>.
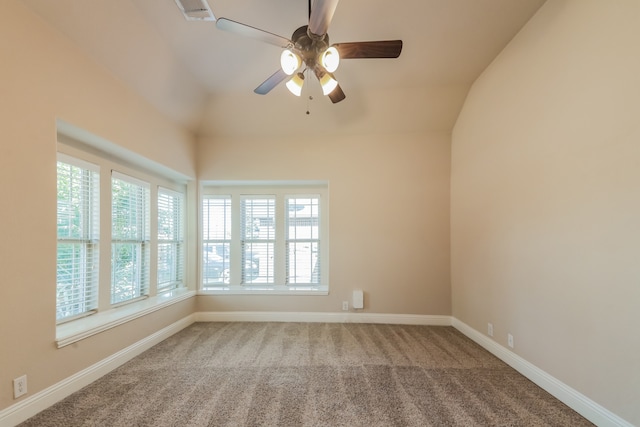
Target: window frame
<point x="250" y="242"/>
<point x="281" y="191"/>
<point x="138" y="240"/>
<point x="214" y="267"/>
<point x="108" y="315"/>
<point x="89" y="242"/>
<point x="314" y="240"/>
<point x="176" y="243"/>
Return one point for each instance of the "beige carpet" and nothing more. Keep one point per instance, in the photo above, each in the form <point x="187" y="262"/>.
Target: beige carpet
<point x="312" y="374"/>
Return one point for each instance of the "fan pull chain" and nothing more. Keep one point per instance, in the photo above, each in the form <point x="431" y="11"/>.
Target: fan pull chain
<point x="309" y="98"/>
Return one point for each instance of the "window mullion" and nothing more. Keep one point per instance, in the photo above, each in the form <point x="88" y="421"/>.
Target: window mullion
<point x="281" y="242"/>
<point x="236" y="243"/>
<point x="153" y="241"/>
<point x="104" y="293"/>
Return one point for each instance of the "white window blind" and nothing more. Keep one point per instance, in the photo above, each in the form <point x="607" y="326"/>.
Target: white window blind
<point x="265" y="238"/>
<point x="78" y="238"/>
<point x="130" y="238"/>
<point x="303" y="239"/>
<point x="170" y="239"/>
<point x="258" y="238"/>
<point x="216" y="225"/>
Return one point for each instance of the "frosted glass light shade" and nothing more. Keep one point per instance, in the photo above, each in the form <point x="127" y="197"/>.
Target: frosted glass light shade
<point x="289" y="62"/>
<point x="295" y="84"/>
<point x="328" y="84"/>
<point x="330" y="59"/>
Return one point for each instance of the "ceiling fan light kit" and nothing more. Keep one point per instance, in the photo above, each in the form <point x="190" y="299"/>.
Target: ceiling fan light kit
<point x="309" y="48"/>
<point x="295" y="84"/>
<point x="327" y="82"/>
<point x="290" y="62"/>
<point x="330" y="59"/>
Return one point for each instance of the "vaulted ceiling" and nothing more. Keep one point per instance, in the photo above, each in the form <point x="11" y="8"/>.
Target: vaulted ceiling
<point x="204" y="78"/>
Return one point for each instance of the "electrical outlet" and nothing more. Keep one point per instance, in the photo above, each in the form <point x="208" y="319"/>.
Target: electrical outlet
<point x="510" y="340"/>
<point x="345" y="305"/>
<point x="19" y="386"/>
<point x="490" y="329"/>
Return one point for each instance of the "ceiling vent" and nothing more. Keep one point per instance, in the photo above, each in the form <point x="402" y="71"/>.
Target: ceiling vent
<point x="196" y="10"/>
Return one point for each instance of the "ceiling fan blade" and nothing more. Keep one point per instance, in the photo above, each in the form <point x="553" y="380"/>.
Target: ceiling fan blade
<point x="255" y="33"/>
<point x="271" y="82"/>
<point x="321" y="15"/>
<point x="377" y="49"/>
<point x="337" y="95"/>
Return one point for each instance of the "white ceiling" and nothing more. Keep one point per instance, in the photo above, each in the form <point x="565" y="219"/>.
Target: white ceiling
<point x="204" y="78"/>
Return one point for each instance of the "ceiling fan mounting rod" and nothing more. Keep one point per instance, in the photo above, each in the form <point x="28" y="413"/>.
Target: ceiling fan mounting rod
<point x="315" y="36"/>
<point x="309" y="33"/>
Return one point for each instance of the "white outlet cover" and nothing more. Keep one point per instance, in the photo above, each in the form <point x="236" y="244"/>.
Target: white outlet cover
<point x="510" y="340"/>
<point x="19" y="386"/>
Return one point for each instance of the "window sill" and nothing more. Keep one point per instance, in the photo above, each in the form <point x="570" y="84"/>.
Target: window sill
<point x="76" y="330"/>
<point x="265" y="290"/>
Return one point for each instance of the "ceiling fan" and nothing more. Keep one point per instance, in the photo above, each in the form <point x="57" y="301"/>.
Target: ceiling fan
<point x="309" y="50"/>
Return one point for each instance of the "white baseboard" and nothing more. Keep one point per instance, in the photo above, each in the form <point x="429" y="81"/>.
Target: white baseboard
<point x="586" y="407"/>
<point x="30" y="406"/>
<point x="318" y="317"/>
<point x="589" y="409"/>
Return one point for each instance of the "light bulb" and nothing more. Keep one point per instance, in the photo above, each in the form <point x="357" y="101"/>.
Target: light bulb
<point x="330" y="59"/>
<point x="295" y="84"/>
<point x="289" y="62"/>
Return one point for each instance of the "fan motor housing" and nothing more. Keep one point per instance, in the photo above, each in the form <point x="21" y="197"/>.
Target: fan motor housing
<point x="309" y="45"/>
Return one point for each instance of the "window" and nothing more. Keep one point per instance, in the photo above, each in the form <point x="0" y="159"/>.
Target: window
<point x="170" y="239"/>
<point x="258" y="238"/>
<point x="216" y="213"/>
<point x="268" y="238"/>
<point x="303" y="239"/>
<point x="121" y="236"/>
<point x="78" y="238"/>
<point x="130" y="238"/>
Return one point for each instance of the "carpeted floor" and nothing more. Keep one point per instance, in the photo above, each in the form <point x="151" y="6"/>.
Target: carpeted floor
<point x="312" y="374"/>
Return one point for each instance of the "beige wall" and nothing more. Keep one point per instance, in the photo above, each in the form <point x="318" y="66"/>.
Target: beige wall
<point x="401" y="264"/>
<point x="544" y="213"/>
<point x="42" y="78"/>
<point x="389" y="215"/>
<point x="546" y="202"/>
